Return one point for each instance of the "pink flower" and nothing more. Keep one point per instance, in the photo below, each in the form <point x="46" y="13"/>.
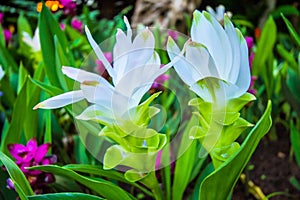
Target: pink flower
<point x="100" y="67"/>
<point x="77" y="24"/>
<point x="62" y="26"/>
<point x="7" y="35"/>
<point x="1" y="17"/>
<point x="69" y="7"/>
<point x="32" y="155"/>
<point x="173" y="34"/>
<point x="250" y="42"/>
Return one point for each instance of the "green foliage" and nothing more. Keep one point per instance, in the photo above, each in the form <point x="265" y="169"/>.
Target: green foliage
<point x="20" y="182"/>
<point x="263" y="60"/>
<point x="104" y="188"/>
<point x="64" y="196"/>
<point x="215" y="186"/>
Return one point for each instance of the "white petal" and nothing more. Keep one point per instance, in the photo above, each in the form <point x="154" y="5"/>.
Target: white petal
<point x="122" y="46"/>
<point x="99" y="94"/>
<point x="84" y="76"/>
<point x="97" y="113"/>
<point x="61" y="100"/>
<point x="182" y="66"/>
<point x="234" y="41"/>
<point x="27" y="39"/>
<point x="129" y="31"/>
<point x="202" y="92"/>
<point x="36" y="40"/>
<point x="100" y="54"/>
<point x="209" y="32"/>
<point x="142" y="50"/>
<point x="202" y="64"/>
<point x="244" y="79"/>
<point x="1" y="72"/>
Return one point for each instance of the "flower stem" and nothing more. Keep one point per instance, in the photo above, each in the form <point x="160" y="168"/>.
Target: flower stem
<point x="151" y="182"/>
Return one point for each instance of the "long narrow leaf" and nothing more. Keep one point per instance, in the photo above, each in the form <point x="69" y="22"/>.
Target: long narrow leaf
<point x="65" y="196"/>
<point x="16" y="175"/>
<point x="104" y="188"/>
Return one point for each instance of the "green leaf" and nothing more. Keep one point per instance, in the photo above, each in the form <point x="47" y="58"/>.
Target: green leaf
<point x="293" y="83"/>
<point x="287" y="56"/>
<point x="33" y="91"/>
<point x="264" y="46"/>
<point x="64" y="196"/>
<point x="48" y="28"/>
<point x="295" y="183"/>
<point x="104" y="188"/>
<point x="18" y="116"/>
<point x="22" y="77"/>
<point x="98" y="171"/>
<point x="23" y="26"/>
<point x="16" y="175"/>
<point x="6" y="60"/>
<point x="185" y="163"/>
<point x="295" y="141"/>
<point x="291" y="29"/>
<point x="221" y="182"/>
<point x="52" y="90"/>
<point x="5" y="193"/>
<point x="2" y="38"/>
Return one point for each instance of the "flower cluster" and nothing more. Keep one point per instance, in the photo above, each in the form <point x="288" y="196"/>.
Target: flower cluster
<point x="32" y="155"/>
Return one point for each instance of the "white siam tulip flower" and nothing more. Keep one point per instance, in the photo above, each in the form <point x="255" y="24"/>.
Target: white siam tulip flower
<point x="34" y="42"/>
<point x="214" y="53"/>
<point x="136" y="66"/>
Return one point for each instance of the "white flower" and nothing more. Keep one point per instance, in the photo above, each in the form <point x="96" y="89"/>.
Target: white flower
<point x="214" y="53"/>
<point x="1" y="72"/>
<point x="136" y="66"/>
<point x="219" y="13"/>
<point x="34" y="42"/>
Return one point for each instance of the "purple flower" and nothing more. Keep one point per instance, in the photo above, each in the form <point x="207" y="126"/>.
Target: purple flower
<point x="100" y="67"/>
<point x="1" y="17"/>
<point x="77" y="24"/>
<point x="69" y="7"/>
<point x="32" y="155"/>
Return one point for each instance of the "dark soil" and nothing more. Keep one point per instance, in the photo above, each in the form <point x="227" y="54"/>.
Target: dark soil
<point x="272" y="169"/>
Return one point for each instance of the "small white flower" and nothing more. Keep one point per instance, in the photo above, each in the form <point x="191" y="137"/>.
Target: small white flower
<point x="34" y="42"/>
<point x="213" y="52"/>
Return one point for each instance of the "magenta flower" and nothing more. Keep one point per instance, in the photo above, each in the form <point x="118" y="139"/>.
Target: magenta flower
<point x="100" y="68"/>
<point x="7" y="35"/>
<point x="69" y="7"/>
<point x="250" y="44"/>
<point x="173" y="34"/>
<point x="32" y="155"/>
<point x="62" y="26"/>
<point x="77" y="24"/>
<point x="1" y="17"/>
